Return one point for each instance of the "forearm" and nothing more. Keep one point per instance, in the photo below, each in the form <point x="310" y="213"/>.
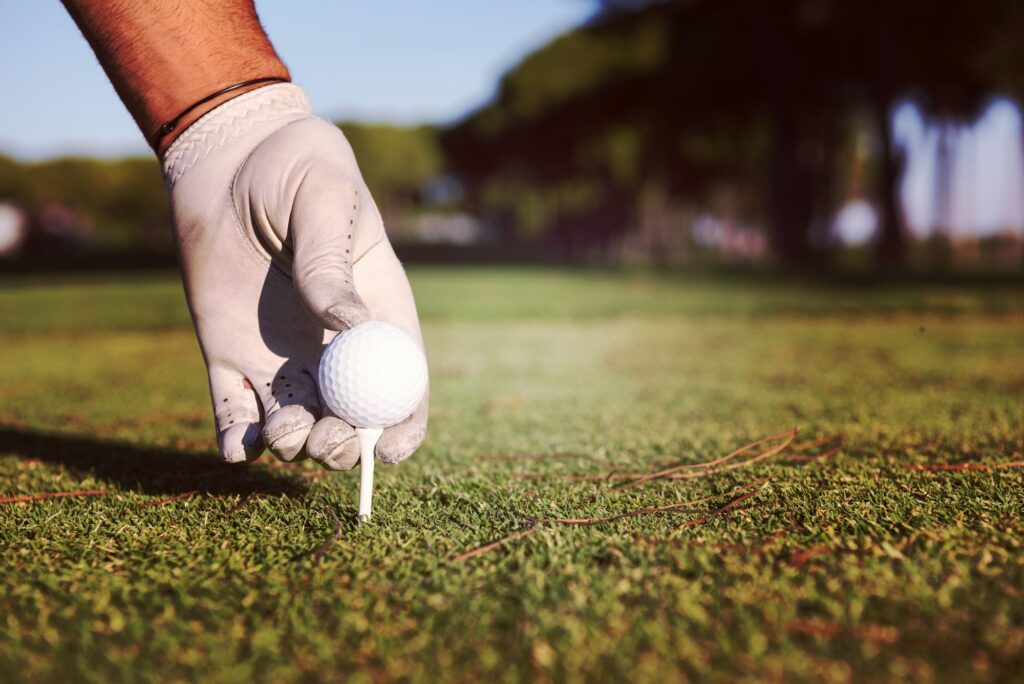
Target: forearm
<point x="164" y="55"/>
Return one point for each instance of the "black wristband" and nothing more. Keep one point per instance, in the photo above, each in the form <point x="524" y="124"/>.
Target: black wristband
<point x="169" y="126"/>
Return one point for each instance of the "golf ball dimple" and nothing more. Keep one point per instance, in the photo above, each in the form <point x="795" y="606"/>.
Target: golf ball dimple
<point x="373" y="375"/>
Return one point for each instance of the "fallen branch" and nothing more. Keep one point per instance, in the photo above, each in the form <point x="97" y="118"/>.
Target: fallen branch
<point x="170" y="499"/>
<point x="53" y="495"/>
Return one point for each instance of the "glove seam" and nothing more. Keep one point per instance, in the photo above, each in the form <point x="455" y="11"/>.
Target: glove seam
<point x="261" y="254"/>
<point x="177" y="160"/>
<point x="255" y="245"/>
<point x="257" y="253"/>
<point x="380" y="241"/>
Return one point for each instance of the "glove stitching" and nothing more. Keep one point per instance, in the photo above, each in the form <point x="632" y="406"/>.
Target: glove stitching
<point x="210" y="125"/>
<point x="380" y="241"/>
<point x="207" y="135"/>
<point x="381" y="237"/>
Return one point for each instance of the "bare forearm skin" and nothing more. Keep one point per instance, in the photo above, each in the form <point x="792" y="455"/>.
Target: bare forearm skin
<point x="164" y="55"/>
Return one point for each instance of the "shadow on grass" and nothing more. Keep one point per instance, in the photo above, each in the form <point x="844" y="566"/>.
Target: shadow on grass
<point x="145" y="469"/>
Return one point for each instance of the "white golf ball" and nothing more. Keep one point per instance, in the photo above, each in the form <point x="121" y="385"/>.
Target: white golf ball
<point x="373" y="375"/>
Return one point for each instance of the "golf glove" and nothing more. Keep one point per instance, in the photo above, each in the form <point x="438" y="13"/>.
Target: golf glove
<point x="281" y="245"/>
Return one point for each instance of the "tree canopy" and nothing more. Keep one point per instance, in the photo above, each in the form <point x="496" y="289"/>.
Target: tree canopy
<point x="680" y="95"/>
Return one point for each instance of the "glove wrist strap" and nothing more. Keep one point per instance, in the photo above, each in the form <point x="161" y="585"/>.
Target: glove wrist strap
<point x="168" y="126"/>
<point x="257" y="112"/>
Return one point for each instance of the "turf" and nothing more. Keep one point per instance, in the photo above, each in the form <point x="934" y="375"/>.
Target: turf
<point x="851" y="566"/>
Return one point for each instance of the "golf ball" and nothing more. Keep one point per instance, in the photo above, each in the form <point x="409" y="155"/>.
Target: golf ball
<point x="373" y="375"/>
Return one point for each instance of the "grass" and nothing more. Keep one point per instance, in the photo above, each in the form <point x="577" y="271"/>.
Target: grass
<point x="853" y="566"/>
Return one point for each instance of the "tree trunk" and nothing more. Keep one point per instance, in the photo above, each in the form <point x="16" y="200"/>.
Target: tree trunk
<point x="790" y="190"/>
<point x="891" y="249"/>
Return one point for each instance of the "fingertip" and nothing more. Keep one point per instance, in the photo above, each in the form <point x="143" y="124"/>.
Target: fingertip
<point x="331" y="298"/>
<point x="399" y="448"/>
<point x="332" y="443"/>
<point x="401" y="441"/>
<point x="240" y="443"/>
<point x="344" y="316"/>
<point x="286" y="430"/>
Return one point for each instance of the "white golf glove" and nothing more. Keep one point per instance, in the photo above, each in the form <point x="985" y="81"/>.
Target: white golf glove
<point x="281" y="245"/>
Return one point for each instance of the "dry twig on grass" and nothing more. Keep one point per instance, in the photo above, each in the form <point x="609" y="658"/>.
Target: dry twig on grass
<point x="715" y="466"/>
<point x="170" y="499"/>
<point x="326" y="545"/>
<point x="806" y="446"/>
<point x="800" y="557"/>
<point x="480" y="550"/>
<point x="727" y="507"/>
<point x="619" y="473"/>
<point x="962" y="466"/>
<point x="800" y="457"/>
<point x="752" y="489"/>
<point x="823" y="629"/>
<point x="519" y="458"/>
<point x="575" y="478"/>
<point x="239" y="504"/>
<point x="656" y="509"/>
<point x="682" y="471"/>
<point x="53" y="495"/>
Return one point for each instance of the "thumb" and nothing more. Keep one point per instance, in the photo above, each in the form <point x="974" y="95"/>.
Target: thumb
<point x="323" y="223"/>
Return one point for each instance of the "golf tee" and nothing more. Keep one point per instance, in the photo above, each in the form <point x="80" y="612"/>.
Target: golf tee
<point x="367" y="443"/>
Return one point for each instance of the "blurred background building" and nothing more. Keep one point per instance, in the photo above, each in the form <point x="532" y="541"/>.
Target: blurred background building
<point x="807" y="133"/>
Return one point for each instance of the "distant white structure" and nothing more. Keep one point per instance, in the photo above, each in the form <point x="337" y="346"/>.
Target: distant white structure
<point x="729" y="238"/>
<point x="13" y="228"/>
<point x="856" y="224"/>
<point x="447" y="228"/>
<point x="964" y="181"/>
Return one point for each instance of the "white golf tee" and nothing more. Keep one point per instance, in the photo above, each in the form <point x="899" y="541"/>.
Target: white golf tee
<point x="367" y="443"/>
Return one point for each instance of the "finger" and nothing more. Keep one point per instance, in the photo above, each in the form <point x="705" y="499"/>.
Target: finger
<point x="395" y="304"/>
<point x="292" y="407"/>
<point x="323" y="222"/>
<point x="332" y="443"/>
<point x="236" y="415"/>
<point x="399" y="442"/>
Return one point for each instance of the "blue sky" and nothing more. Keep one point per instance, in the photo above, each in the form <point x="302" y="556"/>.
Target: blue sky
<point x="400" y="61"/>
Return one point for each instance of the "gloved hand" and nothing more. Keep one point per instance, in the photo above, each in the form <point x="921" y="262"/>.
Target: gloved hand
<point x="280" y="246"/>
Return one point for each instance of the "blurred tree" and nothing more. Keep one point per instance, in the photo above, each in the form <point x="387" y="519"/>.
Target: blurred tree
<point x="124" y="200"/>
<point x="396" y="161"/>
<point x="680" y="94"/>
<point x="124" y="203"/>
<point x="954" y="54"/>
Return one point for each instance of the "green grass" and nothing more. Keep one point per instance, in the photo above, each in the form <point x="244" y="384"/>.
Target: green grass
<point x="851" y="567"/>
